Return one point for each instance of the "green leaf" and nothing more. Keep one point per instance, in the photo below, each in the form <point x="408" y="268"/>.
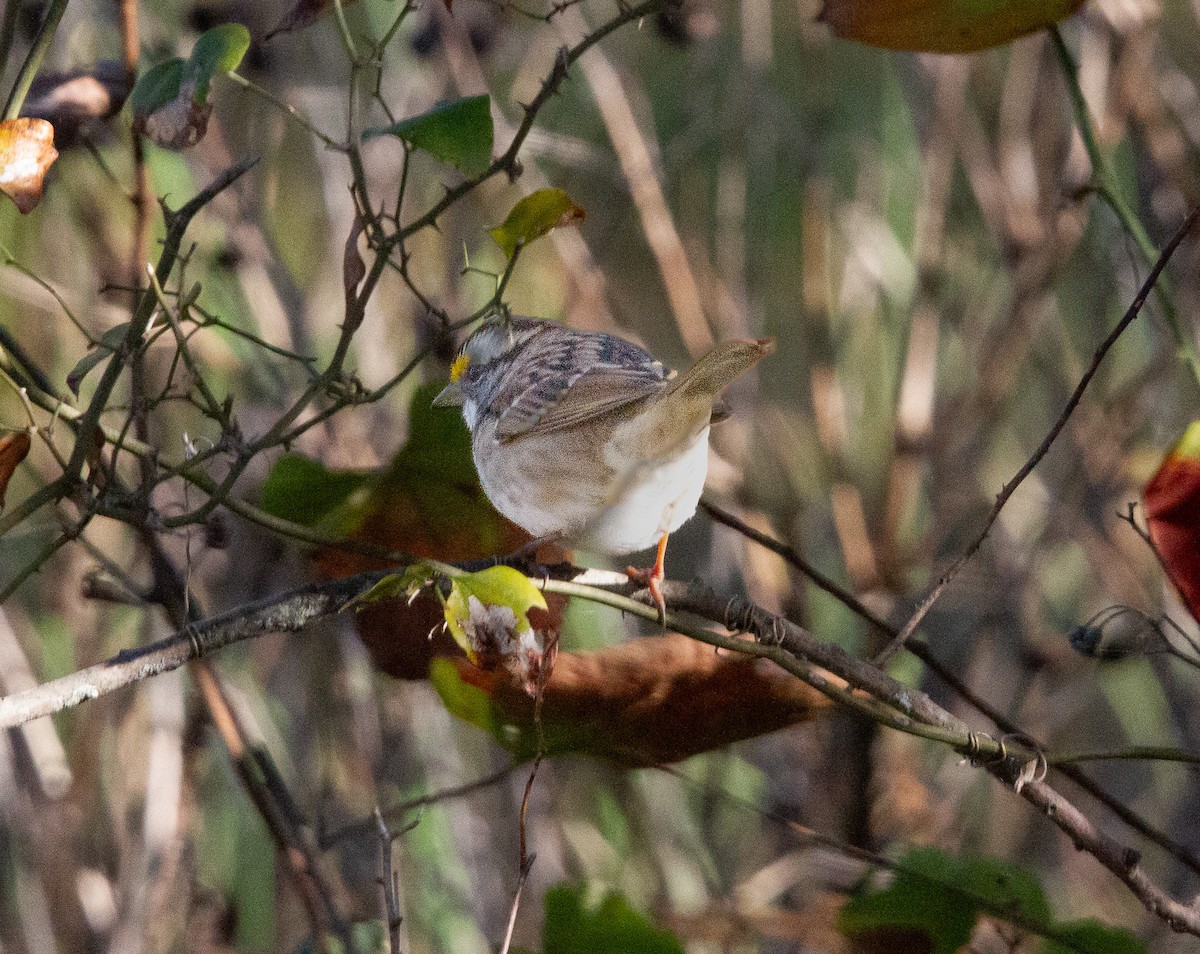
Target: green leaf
<point x="408" y="583"/>
<point x="1003" y="887"/>
<point x="458" y="132"/>
<point x="303" y="491"/>
<point x="533" y="217"/>
<point x="611" y="927"/>
<point x="156" y="87"/>
<point x="463" y="699"/>
<point x="912" y="903"/>
<point x="433" y="474"/>
<point x="1092" y="937"/>
<point x="439" y="444"/>
<point x="218" y="50"/>
<point x="497" y="587"/>
<point x="109" y="342"/>
<point x="940" y="898"/>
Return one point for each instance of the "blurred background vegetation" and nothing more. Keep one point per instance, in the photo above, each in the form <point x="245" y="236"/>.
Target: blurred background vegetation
<point x="919" y="234"/>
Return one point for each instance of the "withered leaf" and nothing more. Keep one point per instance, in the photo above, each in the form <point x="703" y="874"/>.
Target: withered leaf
<point x="26" y="153"/>
<point x="645" y="702"/>
<point x="942" y="26"/>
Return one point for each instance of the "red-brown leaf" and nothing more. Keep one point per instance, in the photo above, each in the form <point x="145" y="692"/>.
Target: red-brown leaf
<point x="654" y="700"/>
<point x="13" y="449"/>
<point x="1173" y="515"/>
<point x="942" y="26"/>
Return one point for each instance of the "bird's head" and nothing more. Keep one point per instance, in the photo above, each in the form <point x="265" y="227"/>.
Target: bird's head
<point x="481" y="363"/>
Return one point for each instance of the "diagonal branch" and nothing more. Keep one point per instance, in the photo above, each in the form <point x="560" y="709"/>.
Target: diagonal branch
<point x="924" y="653"/>
<point x="1018" y="478"/>
<point x="288" y="613"/>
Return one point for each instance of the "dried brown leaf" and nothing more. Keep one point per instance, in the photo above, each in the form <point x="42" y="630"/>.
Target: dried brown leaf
<point x="656" y="700"/>
<point x="942" y="26"/>
<point x="26" y="153"/>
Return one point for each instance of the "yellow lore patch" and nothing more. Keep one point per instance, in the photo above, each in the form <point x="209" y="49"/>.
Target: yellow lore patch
<point x="459" y="366"/>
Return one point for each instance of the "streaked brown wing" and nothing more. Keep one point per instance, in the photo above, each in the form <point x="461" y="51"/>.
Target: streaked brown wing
<point x="597" y="391"/>
<point x="572" y="377"/>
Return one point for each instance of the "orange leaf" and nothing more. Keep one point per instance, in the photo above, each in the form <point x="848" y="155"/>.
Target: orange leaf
<point x="942" y="26"/>
<point x="26" y="152"/>
<point x="1173" y="515"/>
<point x="13" y="449"/>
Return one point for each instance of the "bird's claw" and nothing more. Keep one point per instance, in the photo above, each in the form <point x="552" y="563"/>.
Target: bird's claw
<point x="652" y="578"/>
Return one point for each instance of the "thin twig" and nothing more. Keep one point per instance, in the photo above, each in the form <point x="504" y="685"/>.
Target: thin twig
<point x="1009" y="488"/>
<point x="516" y="902"/>
<point x="397" y="811"/>
<point x="285" y="107"/>
<point x="33" y="61"/>
<point x="924" y="653"/>
<point x="1108" y="188"/>
<point x="177" y="225"/>
<point x="1137" y="753"/>
<point x="390" y="883"/>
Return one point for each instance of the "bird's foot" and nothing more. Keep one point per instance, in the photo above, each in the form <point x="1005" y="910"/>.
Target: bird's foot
<point x="652" y="578"/>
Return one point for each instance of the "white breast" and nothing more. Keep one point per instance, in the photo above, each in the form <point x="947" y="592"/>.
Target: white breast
<point x="572" y="483"/>
<point x="652" y="500"/>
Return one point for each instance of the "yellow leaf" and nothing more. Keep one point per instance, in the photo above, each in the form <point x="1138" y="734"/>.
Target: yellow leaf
<point x="487" y="613"/>
<point x="533" y="217"/>
<point x="26" y="153"/>
<point x="942" y="26"/>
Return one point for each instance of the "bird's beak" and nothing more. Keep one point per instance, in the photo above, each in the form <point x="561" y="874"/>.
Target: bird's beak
<point x="450" y="396"/>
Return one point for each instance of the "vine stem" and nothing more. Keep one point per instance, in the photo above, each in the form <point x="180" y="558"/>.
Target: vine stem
<point x="33" y="62"/>
<point x="1105" y="182"/>
<point x="1006" y="492"/>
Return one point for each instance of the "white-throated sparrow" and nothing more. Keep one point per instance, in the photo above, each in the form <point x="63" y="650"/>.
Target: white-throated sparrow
<point x="586" y="436"/>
